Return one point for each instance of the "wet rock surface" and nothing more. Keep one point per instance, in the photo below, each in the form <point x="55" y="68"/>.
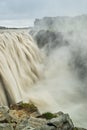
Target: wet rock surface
<point x="27" y="117"/>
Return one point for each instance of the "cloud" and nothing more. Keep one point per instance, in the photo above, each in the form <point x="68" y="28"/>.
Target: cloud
<point x="31" y="9"/>
<point x="17" y="23"/>
<point x="18" y="9"/>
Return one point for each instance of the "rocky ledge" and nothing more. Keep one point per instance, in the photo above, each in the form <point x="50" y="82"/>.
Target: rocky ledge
<point x="23" y="116"/>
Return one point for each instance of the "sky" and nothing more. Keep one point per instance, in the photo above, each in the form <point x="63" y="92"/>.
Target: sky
<point x="20" y="13"/>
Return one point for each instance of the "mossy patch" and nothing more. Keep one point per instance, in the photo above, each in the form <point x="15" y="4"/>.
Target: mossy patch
<point x="29" y="107"/>
<point x="75" y="128"/>
<point x="47" y="115"/>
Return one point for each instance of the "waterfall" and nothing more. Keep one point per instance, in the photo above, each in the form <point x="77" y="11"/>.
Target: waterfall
<point x="52" y="76"/>
<point x="20" y="61"/>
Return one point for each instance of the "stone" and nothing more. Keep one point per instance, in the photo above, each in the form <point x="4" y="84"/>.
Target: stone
<point x="45" y="127"/>
<point x="21" y="118"/>
<point x="63" y="122"/>
<point x="6" y="126"/>
<point x="29" y="128"/>
<point x="37" y="122"/>
<point x="4" y="114"/>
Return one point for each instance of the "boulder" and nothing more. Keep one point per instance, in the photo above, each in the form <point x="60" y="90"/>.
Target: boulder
<point x="63" y="122"/>
<point x="27" y="117"/>
<point x="6" y="126"/>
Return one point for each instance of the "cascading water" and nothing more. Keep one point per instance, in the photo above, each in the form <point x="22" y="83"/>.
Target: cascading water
<point x="20" y="61"/>
<point x="55" y="82"/>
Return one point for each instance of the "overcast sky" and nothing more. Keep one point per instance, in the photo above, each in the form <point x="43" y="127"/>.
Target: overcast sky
<point x="23" y="12"/>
